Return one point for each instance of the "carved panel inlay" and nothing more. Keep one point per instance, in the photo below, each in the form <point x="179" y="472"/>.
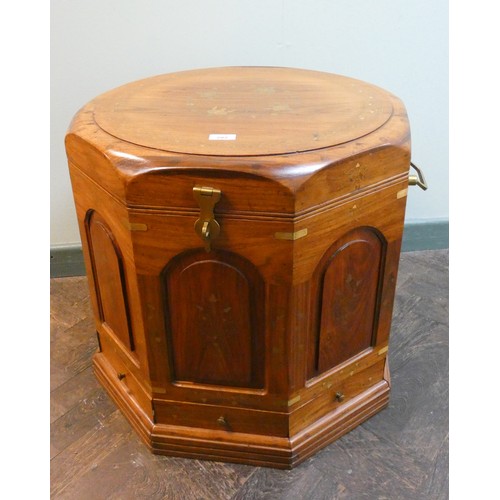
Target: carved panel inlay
<point x="215" y="320"/>
<point x="109" y="278"/>
<point x="345" y="298"/>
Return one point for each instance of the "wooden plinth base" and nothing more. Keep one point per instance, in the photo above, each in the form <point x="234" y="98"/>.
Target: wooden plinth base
<point x="252" y="449"/>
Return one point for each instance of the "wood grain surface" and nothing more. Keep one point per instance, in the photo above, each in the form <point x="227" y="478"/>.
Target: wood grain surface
<point x="314" y="137"/>
<point x="348" y="282"/>
<point x="400" y="453"/>
<point x="243" y="111"/>
<point x="207" y="293"/>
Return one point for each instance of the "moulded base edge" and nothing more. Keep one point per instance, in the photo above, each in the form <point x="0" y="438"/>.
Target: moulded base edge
<point x="251" y="449"/>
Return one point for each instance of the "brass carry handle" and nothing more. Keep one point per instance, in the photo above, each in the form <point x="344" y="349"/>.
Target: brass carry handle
<point x="417" y="180"/>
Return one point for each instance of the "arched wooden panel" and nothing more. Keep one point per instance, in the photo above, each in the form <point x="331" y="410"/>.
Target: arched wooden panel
<point x="345" y="298"/>
<point x="215" y="319"/>
<point x="109" y="278"/>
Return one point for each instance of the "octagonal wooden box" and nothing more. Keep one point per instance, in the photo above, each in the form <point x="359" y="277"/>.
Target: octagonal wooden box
<point x="241" y="229"/>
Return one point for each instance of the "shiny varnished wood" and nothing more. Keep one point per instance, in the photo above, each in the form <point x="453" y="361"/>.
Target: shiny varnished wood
<point x="239" y="353"/>
<point x="109" y="276"/>
<point x="346" y="289"/>
<point x="149" y="177"/>
<point x="215" y="319"/>
<point x="270" y="111"/>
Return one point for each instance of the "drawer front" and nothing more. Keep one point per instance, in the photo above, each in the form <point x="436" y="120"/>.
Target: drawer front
<point x="221" y="418"/>
<point x="125" y="368"/>
<point x="336" y="397"/>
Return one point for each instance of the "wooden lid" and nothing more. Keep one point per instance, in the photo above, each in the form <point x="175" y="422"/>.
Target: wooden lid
<point x="243" y="111"/>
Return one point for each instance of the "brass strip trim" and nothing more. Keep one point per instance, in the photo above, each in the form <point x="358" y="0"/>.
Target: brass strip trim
<point x="161" y="390"/>
<point x="384" y="349"/>
<point x="294" y="400"/>
<point x="137" y="226"/>
<point x="402" y="193"/>
<point x="291" y="236"/>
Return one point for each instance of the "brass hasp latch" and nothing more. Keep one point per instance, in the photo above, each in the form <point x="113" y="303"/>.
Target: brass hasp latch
<point x="206" y="227"/>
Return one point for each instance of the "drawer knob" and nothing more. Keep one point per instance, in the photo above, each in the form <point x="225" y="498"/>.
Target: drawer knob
<point x="223" y="422"/>
<point x="339" y="396"/>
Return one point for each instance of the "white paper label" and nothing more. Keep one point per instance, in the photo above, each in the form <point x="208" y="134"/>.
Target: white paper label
<point x="222" y="137"/>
